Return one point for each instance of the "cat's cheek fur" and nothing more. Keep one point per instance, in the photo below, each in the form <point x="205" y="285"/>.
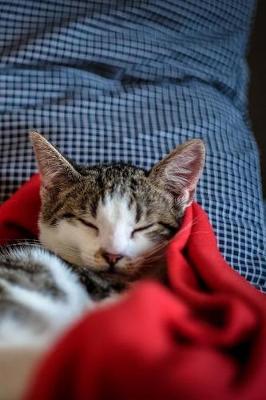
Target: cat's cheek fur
<point x="74" y="244"/>
<point x="80" y="246"/>
<point x="139" y="246"/>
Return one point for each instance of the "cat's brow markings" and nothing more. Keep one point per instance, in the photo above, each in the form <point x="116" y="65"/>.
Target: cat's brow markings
<point x="118" y="198"/>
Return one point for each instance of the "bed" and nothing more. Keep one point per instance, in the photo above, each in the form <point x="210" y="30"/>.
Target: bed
<point x="111" y="81"/>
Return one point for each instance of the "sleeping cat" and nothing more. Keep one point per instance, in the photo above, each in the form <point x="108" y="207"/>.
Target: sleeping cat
<point x="110" y="224"/>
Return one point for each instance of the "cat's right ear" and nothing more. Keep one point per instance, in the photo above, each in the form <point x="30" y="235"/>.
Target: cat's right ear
<point x="54" y="168"/>
<point x="178" y="173"/>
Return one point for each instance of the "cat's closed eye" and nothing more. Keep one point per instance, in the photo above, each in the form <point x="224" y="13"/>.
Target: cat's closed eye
<point x="89" y="224"/>
<point x="142" y="228"/>
<point x="83" y="221"/>
<point x="68" y="215"/>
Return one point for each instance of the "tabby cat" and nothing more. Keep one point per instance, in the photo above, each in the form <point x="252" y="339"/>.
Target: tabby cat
<point x="105" y="225"/>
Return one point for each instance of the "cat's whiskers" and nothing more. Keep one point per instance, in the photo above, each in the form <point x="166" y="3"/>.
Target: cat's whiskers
<point x="149" y="258"/>
<point x="154" y="250"/>
<point x="190" y="224"/>
<point x="69" y="251"/>
<point x="10" y="242"/>
<point x="22" y="245"/>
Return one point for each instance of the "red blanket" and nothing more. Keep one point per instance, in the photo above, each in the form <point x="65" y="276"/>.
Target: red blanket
<point x="203" y="338"/>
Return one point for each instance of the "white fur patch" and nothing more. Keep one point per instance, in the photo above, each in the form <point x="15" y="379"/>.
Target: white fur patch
<point x="81" y="245"/>
<point x="116" y="222"/>
<point x="57" y="313"/>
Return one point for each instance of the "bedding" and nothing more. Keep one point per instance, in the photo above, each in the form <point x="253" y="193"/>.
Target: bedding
<point x="201" y="337"/>
<point x="127" y="81"/>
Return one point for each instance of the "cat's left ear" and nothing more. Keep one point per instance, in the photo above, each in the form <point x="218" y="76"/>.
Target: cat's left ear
<point x="55" y="170"/>
<point x="179" y="172"/>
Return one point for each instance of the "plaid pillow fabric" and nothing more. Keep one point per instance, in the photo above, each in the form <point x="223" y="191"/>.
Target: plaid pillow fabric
<point x="111" y="81"/>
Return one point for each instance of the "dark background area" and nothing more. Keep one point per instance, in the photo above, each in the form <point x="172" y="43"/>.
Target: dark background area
<point x="257" y="89"/>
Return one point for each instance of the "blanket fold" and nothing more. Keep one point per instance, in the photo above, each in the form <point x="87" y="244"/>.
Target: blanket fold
<point x="203" y="337"/>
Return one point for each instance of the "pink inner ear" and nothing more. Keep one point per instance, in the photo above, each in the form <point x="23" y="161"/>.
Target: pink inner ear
<point x="182" y="170"/>
<point x="192" y="175"/>
<point x="179" y="172"/>
<point x="186" y="170"/>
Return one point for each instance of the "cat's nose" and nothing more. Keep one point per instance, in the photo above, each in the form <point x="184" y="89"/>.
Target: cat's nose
<point x="112" y="259"/>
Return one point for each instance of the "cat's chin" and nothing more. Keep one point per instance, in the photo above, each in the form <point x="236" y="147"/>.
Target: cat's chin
<point x="117" y="281"/>
<point x="112" y="275"/>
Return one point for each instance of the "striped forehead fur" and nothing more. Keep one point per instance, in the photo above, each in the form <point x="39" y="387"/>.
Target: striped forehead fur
<point x="90" y="214"/>
<point x="103" y="183"/>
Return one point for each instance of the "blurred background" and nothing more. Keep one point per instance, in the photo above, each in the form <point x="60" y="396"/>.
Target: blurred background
<point x="257" y="94"/>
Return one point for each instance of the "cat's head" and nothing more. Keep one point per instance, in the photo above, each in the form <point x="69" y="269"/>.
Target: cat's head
<point x="115" y="218"/>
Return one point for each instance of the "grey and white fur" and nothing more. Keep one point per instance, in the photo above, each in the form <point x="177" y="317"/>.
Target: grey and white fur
<point x="101" y="228"/>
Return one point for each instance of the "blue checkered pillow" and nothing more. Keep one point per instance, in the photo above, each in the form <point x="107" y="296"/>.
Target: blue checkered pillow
<point x="129" y="80"/>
